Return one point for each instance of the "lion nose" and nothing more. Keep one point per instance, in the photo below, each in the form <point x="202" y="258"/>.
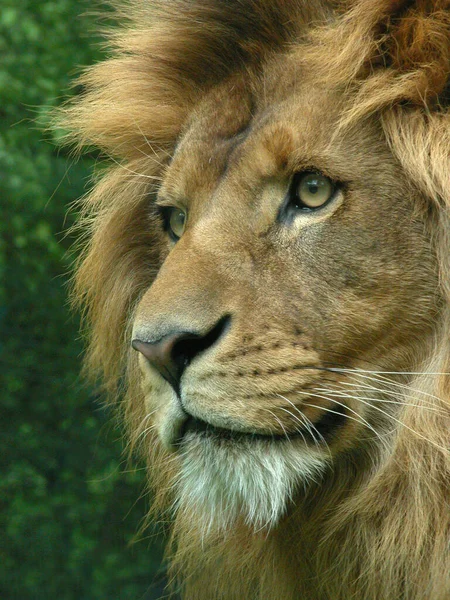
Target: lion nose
<point x="171" y="354"/>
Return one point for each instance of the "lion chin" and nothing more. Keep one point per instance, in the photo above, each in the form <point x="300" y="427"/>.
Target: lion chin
<point x="227" y="481"/>
<point x="229" y="475"/>
<point x="267" y="275"/>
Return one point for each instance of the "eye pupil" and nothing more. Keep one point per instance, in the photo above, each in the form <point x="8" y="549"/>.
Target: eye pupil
<point x="177" y="222"/>
<point x="310" y="191"/>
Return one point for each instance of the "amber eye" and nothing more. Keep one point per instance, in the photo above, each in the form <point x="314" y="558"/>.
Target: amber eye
<point x="311" y="190"/>
<point x="176" y="222"/>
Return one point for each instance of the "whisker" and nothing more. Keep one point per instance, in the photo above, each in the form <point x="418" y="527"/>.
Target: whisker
<point x="345" y="394"/>
<point x="391" y="417"/>
<point x="306" y="422"/>
<point x="359" y="418"/>
<point x="363" y="375"/>
<point x="297" y="419"/>
<point x="278" y="421"/>
<point x="360" y="421"/>
<point x="344" y="369"/>
<point x="385" y="390"/>
<point x="310" y="425"/>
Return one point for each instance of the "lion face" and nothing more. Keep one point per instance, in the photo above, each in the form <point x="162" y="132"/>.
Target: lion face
<point x="296" y="259"/>
<point x="273" y="241"/>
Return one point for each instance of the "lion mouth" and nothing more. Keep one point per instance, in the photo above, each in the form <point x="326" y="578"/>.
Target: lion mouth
<point x="200" y="427"/>
<point x="321" y="431"/>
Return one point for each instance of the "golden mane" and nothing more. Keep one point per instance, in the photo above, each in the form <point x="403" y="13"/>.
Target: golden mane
<point x="390" y="59"/>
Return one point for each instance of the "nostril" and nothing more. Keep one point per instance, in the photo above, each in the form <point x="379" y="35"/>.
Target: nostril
<point x="159" y="355"/>
<point x="186" y="349"/>
<point x="172" y="353"/>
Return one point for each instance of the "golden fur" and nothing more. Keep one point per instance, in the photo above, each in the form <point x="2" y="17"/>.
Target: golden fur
<point x="214" y="106"/>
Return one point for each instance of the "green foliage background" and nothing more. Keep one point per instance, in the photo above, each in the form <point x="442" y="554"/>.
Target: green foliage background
<point x="68" y="504"/>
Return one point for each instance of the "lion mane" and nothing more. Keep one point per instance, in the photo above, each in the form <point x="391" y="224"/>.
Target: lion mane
<point x="372" y="521"/>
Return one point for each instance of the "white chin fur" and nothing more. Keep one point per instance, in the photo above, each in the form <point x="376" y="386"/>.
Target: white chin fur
<point x="253" y="480"/>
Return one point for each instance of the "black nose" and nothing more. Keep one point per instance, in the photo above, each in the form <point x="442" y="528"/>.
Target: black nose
<point x="171" y="354"/>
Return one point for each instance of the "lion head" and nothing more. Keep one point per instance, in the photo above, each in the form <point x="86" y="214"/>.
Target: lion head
<point x="268" y="269"/>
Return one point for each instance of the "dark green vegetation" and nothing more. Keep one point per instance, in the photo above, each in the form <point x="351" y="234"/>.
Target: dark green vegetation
<point x="68" y="508"/>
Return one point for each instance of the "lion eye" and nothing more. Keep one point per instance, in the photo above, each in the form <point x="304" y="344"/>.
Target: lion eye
<point x="312" y="190"/>
<point x="177" y="222"/>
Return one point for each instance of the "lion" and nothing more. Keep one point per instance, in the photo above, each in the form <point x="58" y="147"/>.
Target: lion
<point x="266" y="283"/>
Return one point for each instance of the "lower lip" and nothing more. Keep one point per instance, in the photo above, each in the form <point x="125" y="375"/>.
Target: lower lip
<point x="200" y="427"/>
<point x="328" y="426"/>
